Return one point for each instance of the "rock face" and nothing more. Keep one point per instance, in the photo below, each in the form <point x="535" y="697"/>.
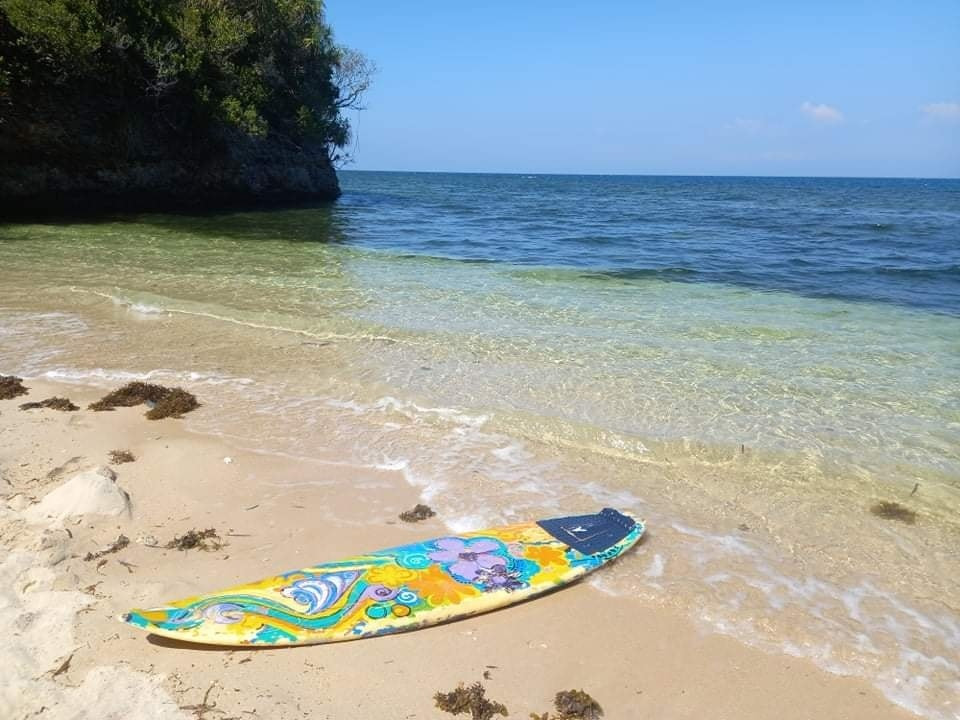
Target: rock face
<point x="92" y="492"/>
<point x="110" y="107"/>
<point x="246" y="171"/>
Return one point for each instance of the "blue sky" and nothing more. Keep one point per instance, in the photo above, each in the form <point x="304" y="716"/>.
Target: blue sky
<point x="728" y="88"/>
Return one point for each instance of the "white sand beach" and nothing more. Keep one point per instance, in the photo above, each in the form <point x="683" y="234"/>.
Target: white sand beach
<point x="68" y="657"/>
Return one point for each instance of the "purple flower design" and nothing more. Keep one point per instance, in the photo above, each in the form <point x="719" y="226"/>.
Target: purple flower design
<point x="498" y="578"/>
<point x="469" y="559"/>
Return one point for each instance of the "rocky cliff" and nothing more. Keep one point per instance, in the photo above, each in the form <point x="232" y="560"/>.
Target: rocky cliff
<point x="247" y="171"/>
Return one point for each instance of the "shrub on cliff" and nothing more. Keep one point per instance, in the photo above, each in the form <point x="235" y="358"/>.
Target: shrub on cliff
<point x="108" y="81"/>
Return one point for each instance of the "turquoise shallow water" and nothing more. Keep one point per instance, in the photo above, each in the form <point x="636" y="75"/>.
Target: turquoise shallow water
<point x="749" y="363"/>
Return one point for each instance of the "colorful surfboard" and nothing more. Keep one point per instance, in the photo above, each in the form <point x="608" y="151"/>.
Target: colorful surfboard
<point x="399" y="589"/>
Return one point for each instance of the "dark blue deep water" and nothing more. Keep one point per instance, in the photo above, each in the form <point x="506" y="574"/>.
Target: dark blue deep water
<point x="886" y="240"/>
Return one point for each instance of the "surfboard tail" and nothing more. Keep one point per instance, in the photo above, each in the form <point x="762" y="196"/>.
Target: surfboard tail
<point x="591" y="534"/>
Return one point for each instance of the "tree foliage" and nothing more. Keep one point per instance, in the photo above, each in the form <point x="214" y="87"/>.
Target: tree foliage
<point x="201" y="67"/>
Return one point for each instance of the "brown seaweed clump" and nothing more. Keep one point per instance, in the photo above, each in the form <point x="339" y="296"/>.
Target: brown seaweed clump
<point x="470" y="700"/>
<point x="118" y="457"/>
<point x="165" y="402"/>
<point x="200" y="539"/>
<point x="54" y="403"/>
<point x="116" y="546"/>
<point x="894" y="511"/>
<point x="419" y="512"/>
<point x="135" y="393"/>
<point x="175" y="404"/>
<point x="576" y="705"/>
<point x="572" y="705"/>
<point x="11" y="386"/>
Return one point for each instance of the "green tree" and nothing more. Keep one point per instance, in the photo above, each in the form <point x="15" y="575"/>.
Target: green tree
<point x="140" y="68"/>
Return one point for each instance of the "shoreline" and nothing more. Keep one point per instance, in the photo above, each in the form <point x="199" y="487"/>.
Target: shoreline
<point x="637" y="658"/>
<point x="91" y="209"/>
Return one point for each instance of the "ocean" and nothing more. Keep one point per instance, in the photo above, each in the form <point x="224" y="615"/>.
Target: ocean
<point x="750" y="364"/>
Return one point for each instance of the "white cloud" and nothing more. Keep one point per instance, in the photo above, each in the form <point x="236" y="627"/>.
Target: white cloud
<point x="822" y="113"/>
<point x="948" y="111"/>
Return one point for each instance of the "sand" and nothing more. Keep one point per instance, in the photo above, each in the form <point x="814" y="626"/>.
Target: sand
<point x="66" y="655"/>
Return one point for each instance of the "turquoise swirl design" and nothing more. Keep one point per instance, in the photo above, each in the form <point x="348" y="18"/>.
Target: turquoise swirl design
<point x="195" y="614"/>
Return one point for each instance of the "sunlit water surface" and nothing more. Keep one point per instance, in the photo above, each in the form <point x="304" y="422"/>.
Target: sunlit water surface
<point x="749" y="364"/>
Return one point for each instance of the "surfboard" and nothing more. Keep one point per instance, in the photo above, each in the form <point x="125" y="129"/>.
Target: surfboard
<point x="401" y="588"/>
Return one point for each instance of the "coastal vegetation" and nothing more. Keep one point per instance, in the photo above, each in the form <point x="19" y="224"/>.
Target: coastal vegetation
<point x="179" y="100"/>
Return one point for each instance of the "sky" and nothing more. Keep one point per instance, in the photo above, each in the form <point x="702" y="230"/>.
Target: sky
<point x="842" y="88"/>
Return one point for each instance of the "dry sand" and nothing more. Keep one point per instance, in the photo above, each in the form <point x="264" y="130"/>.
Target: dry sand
<point x="66" y="656"/>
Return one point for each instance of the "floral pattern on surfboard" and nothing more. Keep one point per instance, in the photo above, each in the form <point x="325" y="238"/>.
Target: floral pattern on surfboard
<point x="401" y="588"/>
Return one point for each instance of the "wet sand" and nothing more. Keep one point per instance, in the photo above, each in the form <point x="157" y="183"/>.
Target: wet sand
<point x="277" y="513"/>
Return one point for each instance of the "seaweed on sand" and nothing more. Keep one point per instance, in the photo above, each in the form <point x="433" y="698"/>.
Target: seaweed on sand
<point x="174" y="404"/>
<point x="118" y="457"/>
<point x="116" y="546"/>
<point x="894" y="511"/>
<point x="572" y="705"/>
<point x="419" y="512"/>
<point x="11" y="386"/>
<point x="201" y="709"/>
<point x="135" y="393"/>
<point x="54" y="403"/>
<point x="576" y="705"/>
<point x="469" y="700"/>
<point x="164" y="401"/>
<point x="201" y="539"/>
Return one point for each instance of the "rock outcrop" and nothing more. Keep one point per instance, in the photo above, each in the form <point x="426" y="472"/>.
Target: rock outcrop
<point x="248" y="171"/>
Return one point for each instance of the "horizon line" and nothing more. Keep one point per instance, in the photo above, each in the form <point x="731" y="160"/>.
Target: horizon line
<point x="650" y="174"/>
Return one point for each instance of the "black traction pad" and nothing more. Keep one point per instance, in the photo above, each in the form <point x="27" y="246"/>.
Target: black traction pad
<point x="590" y="534"/>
